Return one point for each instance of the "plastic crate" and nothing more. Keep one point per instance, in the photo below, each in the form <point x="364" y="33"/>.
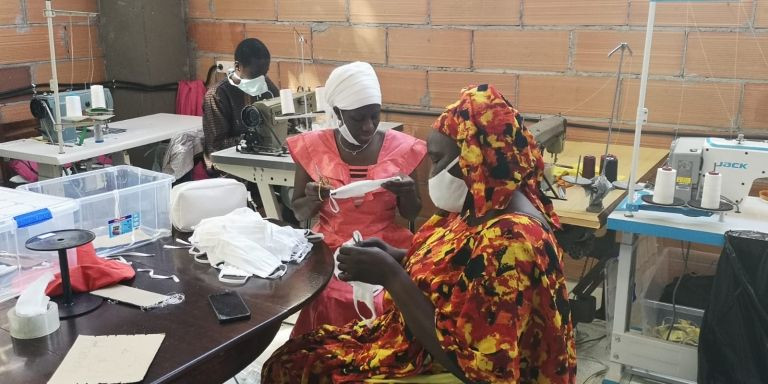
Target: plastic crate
<point x="24" y="215"/>
<point x="669" y="266"/>
<point x="124" y="206"/>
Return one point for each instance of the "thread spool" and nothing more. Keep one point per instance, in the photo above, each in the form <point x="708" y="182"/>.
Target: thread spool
<point x="320" y="99"/>
<point x="712" y="189"/>
<point x="602" y="161"/>
<point x="286" y="101"/>
<point x="664" y="187"/>
<point x="97" y="97"/>
<point x="588" y="167"/>
<point x="611" y="168"/>
<point x="74" y="108"/>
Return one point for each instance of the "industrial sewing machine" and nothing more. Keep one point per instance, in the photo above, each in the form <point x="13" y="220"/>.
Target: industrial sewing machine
<point x="267" y="127"/>
<point x="42" y="108"/>
<point x="550" y="134"/>
<point x="740" y="162"/>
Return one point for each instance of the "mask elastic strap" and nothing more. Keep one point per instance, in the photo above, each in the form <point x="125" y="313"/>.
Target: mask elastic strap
<point x="279" y="272"/>
<point x="232" y="275"/>
<point x="334" y="205"/>
<point x="366" y="320"/>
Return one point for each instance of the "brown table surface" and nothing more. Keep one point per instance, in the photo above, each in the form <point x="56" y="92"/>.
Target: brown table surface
<point x="196" y="348"/>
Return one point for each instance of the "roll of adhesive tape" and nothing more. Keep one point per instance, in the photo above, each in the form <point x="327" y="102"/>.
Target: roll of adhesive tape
<point x="286" y="102"/>
<point x="664" y="187"/>
<point x="32" y="327"/>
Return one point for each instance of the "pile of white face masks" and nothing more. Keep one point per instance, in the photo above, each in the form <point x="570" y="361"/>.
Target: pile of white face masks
<point x="360" y="291"/>
<point x="242" y="244"/>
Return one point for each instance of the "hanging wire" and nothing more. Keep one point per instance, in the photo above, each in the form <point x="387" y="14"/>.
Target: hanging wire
<point x="71" y="52"/>
<point x="90" y="55"/>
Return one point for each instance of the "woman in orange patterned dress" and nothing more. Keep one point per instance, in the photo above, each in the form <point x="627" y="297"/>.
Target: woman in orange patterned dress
<point x="480" y="293"/>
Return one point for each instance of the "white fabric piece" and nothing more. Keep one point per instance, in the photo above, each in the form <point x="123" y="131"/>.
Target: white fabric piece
<point x="33" y="301"/>
<point x="363" y="292"/>
<point x="194" y="201"/>
<point x="351" y="86"/>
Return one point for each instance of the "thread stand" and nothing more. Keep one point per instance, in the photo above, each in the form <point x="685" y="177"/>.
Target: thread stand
<point x="70" y="305"/>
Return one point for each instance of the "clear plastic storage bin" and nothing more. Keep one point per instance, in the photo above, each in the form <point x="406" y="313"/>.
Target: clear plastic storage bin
<point x="24" y="215"/>
<point x="124" y="206"/>
<point x="656" y="314"/>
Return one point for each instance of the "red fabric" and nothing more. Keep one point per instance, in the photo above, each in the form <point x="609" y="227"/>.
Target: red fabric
<point x="91" y="273"/>
<point x="28" y="169"/>
<point x="199" y="172"/>
<point x="189" y="97"/>
<point x="373" y="215"/>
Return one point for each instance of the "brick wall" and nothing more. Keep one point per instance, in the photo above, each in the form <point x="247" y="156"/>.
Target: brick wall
<point x="709" y="67"/>
<point x="25" y="57"/>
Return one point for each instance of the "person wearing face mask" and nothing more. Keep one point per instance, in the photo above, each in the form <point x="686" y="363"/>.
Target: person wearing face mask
<point x="353" y="150"/>
<point x="480" y="293"/>
<point x="223" y="103"/>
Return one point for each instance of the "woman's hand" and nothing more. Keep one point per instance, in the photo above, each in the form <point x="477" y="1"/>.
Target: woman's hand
<point x="405" y="187"/>
<point x="375" y="242"/>
<point x="369" y="265"/>
<point x="316" y="191"/>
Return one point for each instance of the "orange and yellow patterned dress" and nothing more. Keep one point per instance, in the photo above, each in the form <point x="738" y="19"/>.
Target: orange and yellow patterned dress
<point x="501" y="313"/>
<point x="498" y="289"/>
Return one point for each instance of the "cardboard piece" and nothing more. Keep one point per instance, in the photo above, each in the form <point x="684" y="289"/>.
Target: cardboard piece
<point x="130" y="295"/>
<point x="108" y="359"/>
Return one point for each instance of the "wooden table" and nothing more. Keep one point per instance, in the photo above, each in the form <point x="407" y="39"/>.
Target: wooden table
<point x="196" y="349"/>
<point x="573" y="211"/>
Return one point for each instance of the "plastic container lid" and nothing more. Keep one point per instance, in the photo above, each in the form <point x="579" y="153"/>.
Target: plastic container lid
<point x="20" y="209"/>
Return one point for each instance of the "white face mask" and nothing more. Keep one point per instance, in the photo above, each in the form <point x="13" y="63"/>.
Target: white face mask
<point x="253" y="87"/>
<point x="248" y="256"/>
<point x="363" y="292"/>
<point x="448" y="192"/>
<point x="357" y="189"/>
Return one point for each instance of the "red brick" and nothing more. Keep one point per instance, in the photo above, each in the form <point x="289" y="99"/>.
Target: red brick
<point x="568" y="12"/>
<point x="200" y="9"/>
<point x="216" y="37"/>
<point x="754" y="114"/>
<point x="715" y="14"/>
<point x="445" y="87"/>
<point x="312" y="10"/>
<point x="78" y="71"/>
<point x="732" y="55"/>
<point x="761" y="14"/>
<point x="528" y="50"/>
<point x="13" y="78"/>
<point x="486" y="12"/>
<point x="592" y="48"/>
<point x="35" y="10"/>
<point x="314" y="75"/>
<point x="388" y="11"/>
<point x="430" y="47"/>
<point x="10" y="113"/>
<point x="703" y="104"/>
<point x="202" y="64"/>
<point x="402" y="86"/>
<point x="282" y="39"/>
<point x="29" y="44"/>
<point x="350" y="44"/>
<point x="10" y="12"/>
<point x="245" y="10"/>
<point x="82" y="42"/>
<point x="571" y="96"/>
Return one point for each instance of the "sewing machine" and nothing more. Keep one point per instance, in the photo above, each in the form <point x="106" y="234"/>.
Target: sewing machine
<point x="550" y="134"/>
<point x="267" y="127"/>
<point x="740" y="162"/>
<point x="42" y="107"/>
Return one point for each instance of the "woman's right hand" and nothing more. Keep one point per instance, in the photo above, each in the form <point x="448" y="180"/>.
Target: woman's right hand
<point x="374" y="242"/>
<point x="316" y="191"/>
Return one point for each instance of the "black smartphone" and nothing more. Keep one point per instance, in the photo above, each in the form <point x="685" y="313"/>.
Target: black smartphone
<point x="229" y="306"/>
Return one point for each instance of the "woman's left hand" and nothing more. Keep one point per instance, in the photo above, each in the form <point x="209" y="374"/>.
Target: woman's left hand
<point x="367" y="264"/>
<point x="404" y="187"/>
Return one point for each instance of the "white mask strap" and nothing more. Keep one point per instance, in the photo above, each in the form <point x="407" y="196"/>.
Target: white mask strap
<point x="334" y="205"/>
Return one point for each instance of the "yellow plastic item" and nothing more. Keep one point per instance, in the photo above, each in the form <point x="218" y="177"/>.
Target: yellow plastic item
<point x="439" y="378"/>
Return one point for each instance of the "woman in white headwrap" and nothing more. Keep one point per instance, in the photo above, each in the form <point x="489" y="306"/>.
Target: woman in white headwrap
<point x="354" y="149"/>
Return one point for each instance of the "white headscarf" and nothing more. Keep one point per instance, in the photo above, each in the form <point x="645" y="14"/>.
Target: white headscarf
<point x="349" y="87"/>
